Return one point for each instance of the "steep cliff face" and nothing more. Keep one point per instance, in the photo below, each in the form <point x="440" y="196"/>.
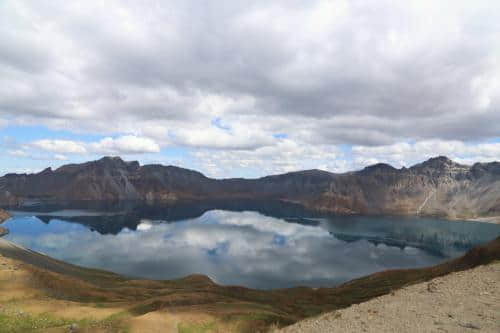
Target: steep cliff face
<point x="438" y="186"/>
<point x="106" y="179"/>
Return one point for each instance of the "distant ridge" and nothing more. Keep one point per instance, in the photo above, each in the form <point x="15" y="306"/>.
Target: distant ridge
<point x="438" y="187"/>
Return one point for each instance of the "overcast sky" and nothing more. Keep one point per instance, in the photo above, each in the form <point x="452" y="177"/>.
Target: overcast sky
<point x="248" y="88"/>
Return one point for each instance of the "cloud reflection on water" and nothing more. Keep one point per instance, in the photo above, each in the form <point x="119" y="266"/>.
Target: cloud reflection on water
<point x="239" y="248"/>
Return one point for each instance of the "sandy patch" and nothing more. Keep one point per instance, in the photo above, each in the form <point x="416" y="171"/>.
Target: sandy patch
<point x="155" y="322"/>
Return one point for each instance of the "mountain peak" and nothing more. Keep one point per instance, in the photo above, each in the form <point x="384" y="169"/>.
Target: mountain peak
<point x="110" y="159"/>
<point x="111" y="162"/>
<point x="439" y="163"/>
<point x="116" y="162"/>
<point x="379" y="167"/>
<point x="440" y="159"/>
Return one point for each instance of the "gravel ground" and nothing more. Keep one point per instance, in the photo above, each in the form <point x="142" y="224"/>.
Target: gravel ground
<point x="466" y="301"/>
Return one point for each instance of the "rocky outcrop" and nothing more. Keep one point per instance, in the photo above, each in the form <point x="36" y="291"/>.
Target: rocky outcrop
<point x="3" y="216"/>
<point x="437" y="187"/>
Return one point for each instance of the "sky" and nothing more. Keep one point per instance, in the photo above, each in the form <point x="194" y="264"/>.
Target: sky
<point x="249" y="88"/>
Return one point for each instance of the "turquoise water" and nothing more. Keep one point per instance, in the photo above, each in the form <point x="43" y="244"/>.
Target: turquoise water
<point x="242" y="247"/>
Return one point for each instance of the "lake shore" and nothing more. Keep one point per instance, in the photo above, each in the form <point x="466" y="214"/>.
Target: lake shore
<point x="488" y="219"/>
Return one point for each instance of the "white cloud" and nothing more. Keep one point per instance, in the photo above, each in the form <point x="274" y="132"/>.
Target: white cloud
<point x="152" y="69"/>
<point x="60" y="146"/>
<point x="17" y="153"/>
<point x="148" y="75"/>
<point x="283" y="156"/>
<point x="406" y="154"/>
<point x="60" y="157"/>
<point x="237" y="137"/>
<point x="127" y="144"/>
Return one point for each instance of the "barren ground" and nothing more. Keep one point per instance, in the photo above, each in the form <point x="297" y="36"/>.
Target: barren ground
<point x="467" y="301"/>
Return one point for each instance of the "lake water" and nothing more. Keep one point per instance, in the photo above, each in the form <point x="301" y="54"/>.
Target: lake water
<point x="258" y="249"/>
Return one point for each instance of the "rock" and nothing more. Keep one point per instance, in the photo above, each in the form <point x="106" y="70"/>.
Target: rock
<point x="73" y="327"/>
<point x="3" y="231"/>
<point x="471" y="326"/>
<point x="431" y="287"/>
<point x="4" y="215"/>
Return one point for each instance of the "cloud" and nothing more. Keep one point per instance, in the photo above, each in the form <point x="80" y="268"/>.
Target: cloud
<point x="128" y="144"/>
<point x="17" y="153"/>
<point x="182" y="64"/>
<point x="60" y="157"/>
<point x="327" y="73"/>
<point x="237" y="137"/>
<point x="406" y="154"/>
<point x="283" y="156"/>
<point x="60" y="146"/>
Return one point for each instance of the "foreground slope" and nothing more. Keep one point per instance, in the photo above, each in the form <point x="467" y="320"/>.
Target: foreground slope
<point x="465" y="301"/>
<point x="47" y="294"/>
<point x="437" y="187"/>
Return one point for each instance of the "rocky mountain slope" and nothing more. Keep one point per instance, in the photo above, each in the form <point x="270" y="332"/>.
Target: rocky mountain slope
<point x="437" y="187"/>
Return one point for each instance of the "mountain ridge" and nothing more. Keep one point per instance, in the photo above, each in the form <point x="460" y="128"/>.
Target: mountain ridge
<point x="114" y="161"/>
<point x="438" y="187"/>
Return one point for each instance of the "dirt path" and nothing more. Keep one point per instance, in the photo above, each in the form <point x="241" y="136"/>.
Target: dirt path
<point x="467" y="301"/>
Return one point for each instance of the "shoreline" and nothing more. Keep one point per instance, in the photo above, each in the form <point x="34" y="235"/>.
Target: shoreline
<point x="4" y="215"/>
<point x="486" y="219"/>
